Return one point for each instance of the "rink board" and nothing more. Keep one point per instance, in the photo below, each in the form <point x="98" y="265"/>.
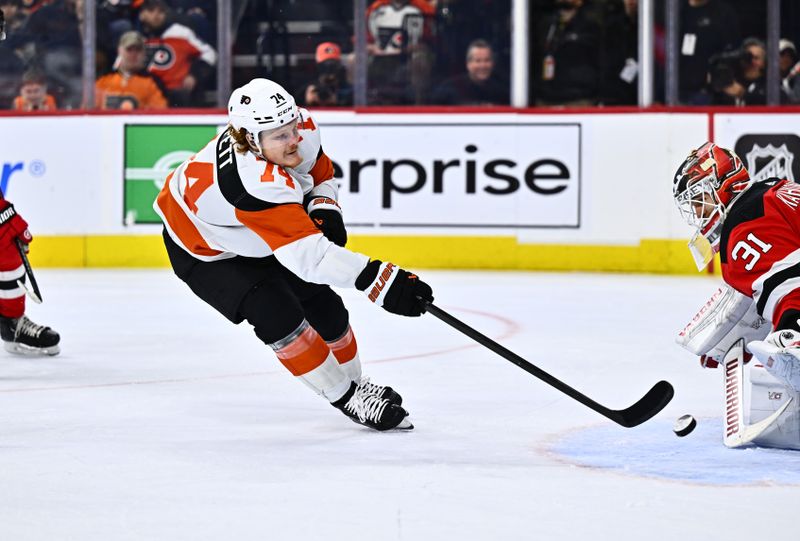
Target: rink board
<point x="498" y="190"/>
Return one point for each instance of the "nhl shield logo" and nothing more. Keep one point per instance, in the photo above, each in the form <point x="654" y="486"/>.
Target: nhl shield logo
<point x="770" y="155"/>
<point x="768" y="162"/>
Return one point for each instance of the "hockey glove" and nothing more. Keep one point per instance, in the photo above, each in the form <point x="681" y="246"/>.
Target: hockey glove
<point x="396" y="290"/>
<point x="780" y="354"/>
<point x="327" y="216"/>
<point x="12" y="226"/>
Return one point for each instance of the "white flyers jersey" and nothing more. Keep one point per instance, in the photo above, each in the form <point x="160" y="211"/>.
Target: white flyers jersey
<point x="220" y="204"/>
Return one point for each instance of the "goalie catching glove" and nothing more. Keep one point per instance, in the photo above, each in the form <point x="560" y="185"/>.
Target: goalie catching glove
<point x="779" y="352"/>
<point x="396" y="290"/>
<point x="327" y="216"/>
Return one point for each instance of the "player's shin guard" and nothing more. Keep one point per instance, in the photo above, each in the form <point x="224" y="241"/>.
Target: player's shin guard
<point x="345" y="350"/>
<point x="305" y="354"/>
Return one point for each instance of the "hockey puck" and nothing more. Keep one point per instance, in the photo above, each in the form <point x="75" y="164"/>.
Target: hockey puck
<point x="684" y="425"/>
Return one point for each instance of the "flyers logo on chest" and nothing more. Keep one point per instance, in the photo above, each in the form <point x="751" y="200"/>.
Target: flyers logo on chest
<point x="161" y="55"/>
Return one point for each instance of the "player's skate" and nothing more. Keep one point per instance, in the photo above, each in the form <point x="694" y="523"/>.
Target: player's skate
<point x="24" y="337"/>
<point x="382" y="391"/>
<point x="371" y="410"/>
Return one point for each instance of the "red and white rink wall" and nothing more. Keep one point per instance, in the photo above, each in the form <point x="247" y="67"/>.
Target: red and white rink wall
<point x="586" y="190"/>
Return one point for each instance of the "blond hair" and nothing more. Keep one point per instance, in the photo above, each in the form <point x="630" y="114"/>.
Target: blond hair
<point x="240" y="139"/>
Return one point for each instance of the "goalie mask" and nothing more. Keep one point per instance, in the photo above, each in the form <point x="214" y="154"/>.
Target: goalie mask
<point x="261" y="105"/>
<point x="704" y="187"/>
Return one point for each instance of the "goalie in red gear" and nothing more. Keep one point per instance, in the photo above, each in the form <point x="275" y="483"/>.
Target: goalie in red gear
<point x="754" y="225"/>
<point x="20" y="335"/>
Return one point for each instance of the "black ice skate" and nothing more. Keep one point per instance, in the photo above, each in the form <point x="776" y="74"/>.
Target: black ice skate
<point x="368" y="409"/>
<point x="382" y="391"/>
<point x="24" y="337"/>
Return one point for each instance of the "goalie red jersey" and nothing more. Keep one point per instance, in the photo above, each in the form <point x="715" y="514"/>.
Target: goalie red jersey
<point x="760" y="249"/>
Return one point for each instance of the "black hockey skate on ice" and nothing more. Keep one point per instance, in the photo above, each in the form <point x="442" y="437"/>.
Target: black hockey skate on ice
<point x="382" y="391"/>
<point x="24" y="337"/>
<point x="371" y="410"/>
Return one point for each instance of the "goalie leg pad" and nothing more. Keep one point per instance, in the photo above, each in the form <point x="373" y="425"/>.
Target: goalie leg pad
<point x="725" y="318"/>
<point x="767" y="395"/>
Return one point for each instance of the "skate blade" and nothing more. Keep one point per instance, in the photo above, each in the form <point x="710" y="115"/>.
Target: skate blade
<point x="405" y="424"/>
<point x="28" y="351"/>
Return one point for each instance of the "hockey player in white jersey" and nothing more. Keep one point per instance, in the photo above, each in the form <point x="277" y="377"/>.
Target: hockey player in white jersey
<point x="253" y="226"/>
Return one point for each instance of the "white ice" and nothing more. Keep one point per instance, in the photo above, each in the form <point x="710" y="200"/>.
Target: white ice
<point x="162" y="421"/>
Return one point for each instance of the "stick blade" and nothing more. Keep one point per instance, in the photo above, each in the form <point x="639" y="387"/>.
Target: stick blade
<point x="646" y="407"/>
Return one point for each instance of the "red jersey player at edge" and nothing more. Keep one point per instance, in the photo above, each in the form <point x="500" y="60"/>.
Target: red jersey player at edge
<point x="253" y="226"/>
<point x="20" y="335"/>
<point x="755" y="227"/>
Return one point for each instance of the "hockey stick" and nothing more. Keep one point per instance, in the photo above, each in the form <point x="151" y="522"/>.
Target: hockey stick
<point x="645" y="408"/>
<point x="737" y="433"/>
<point x="36" y="295"/>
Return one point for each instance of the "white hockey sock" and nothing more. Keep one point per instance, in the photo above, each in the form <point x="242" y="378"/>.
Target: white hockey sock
<point x="346" y="351"/>
<point x="305" y="354"/>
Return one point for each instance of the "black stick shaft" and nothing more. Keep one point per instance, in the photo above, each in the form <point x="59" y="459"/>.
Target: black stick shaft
<point x="653" y="402"/>
<point x="28" y="269"/>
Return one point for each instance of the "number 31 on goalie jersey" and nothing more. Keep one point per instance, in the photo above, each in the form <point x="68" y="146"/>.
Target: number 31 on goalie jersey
<point x="745" y="250"/>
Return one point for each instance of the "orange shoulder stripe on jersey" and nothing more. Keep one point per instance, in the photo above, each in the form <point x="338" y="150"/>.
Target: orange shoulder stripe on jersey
<point x="322" y="170"/>
<point x="181" y="225"/>
<point x="279" y="225"/>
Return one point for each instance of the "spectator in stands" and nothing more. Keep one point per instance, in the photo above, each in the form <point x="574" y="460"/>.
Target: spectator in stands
<point x="739" y="77"/>
<point x="707" y="27"/>
<point x="54" y="31"/>
<point x="398" y="42"/>
<point x="621" y="43"/>
<point x="11" y="65"/>
<point x="477" y="86"/>
<point x="182" y="61"/>
<point x="33" y="94"/>
<point x="330" y="87"/>
<point x="567" y="63"/>
<point x="130" y="86"/>
<point x="14" y="14"/>
<point x="790" y="71"/>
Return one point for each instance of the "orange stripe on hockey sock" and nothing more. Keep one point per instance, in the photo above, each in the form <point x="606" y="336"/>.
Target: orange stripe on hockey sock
<point x="345" y="348"/>
<point x="304" y="353"/>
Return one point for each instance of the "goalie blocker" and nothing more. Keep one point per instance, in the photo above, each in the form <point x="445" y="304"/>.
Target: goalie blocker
<point x="719" y="324"/>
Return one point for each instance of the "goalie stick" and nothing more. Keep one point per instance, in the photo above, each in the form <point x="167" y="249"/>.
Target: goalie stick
<point x="34" y="294"/>
<point x="645" y="408"/>
<point x="737" y="433"/>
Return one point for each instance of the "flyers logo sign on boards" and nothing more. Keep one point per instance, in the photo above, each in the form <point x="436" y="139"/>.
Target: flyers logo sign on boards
<point x="768" y="155"/>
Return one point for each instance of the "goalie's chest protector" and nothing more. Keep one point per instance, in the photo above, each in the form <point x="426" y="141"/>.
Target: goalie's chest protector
<point x="760" y="245"/>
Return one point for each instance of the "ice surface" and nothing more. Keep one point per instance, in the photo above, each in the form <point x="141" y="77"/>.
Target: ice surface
<point x="160" y="420"/>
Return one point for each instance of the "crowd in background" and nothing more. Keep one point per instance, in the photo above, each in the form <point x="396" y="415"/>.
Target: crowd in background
<point x="162" y="53"/>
